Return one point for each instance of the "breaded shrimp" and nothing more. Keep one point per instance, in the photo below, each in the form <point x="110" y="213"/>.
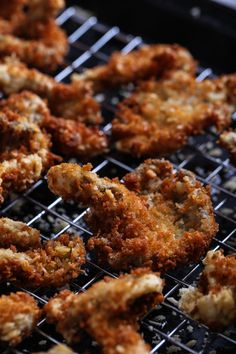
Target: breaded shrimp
<point x="213" y="301"/>
<point x="108" y="311"/>
<point x="19" y="316"/>
<point x="18" y="234"/>
<point x="160" y="115"/>
<point x="69" y="137"/>
<point x="71" y="101"/>
<point x="158" y="217"/>
<point x="53" y="264"/>
<point x="148" y="61"/>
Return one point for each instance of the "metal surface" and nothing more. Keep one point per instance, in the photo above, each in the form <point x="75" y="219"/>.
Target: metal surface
<point x="166" y="328"/>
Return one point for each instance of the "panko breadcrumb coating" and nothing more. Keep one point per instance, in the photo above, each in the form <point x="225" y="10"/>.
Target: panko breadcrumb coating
<point x="143" y="63"/>
<point x="55" y="263"/>
<point x="228" y="141"/>
<point x="19" y="316"/>
<point x="158" y="217"/>
<point x="33" y="35"/>
<point x="69" y="137"/>
<point x="18" y="173"/>
<point x="18" y="234"/>
<point x="108" y="311"/>
<point x="71" y="101"/>
<point x="24" y="158"/>
<point x="58" y="349"/>
<point x="213" y="301"/>
<point x="160" y="115"/>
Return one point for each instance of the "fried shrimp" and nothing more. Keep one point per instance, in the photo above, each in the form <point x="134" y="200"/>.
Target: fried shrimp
<point x="69" y="137"/>
<point x="228" y="141"/>
<point x="158" y="217"/>
<point x="19" y="316"/>
<point x="144" y="63"/>
<point x="160" y="115"/>
<point x="108" y="311"/>
<point x="33" y="35"/>
<point x="18" y="234"/>
<point x="213" y="302"/>
<point x="53" y="264"/>
<point x="58" y="349"/>
<point x="70" y="101"/>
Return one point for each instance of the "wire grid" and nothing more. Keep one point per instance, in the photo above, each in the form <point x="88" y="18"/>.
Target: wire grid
<point x="165" y="328"/>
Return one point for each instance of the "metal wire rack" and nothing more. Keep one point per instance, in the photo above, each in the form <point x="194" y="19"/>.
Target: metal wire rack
<point x="166" y="328"/>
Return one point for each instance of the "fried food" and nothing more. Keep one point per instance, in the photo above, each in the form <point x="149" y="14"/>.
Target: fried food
<point x="24" y="158"/>
<point x="58" y="349"/>
<point x="213" y="301"/>
<point x="19" y="316"/>
<point x="70" y="101"/>
<point x="157" y="217"/>
<point x="33" y="35"/>
<point x="70" y="138"/>
<point x="160" y="115"/>
<point x="146" y="62"/>
<point x="228" y="141"/>
<point x="108" y="311"/>
<point x="73" y="138"/>
<point x="18" y="234"/>
<point x="55" y="263"/>
<point x="18" y="173"/>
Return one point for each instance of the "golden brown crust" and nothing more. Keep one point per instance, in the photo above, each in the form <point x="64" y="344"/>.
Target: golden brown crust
<point x="53" y="264"/>
<point x="73" y="138"/>
<point x="160" y="115"/>
<point x="213" y="302"/>
<point x="18" y="234"/>
<point x="70" y="101"/>
<point x="69" y="137"/>
<point x="158" y="218"/>
<point x="33" y="35"/>
<point x="108" y="311"/>
<point x="148" y="61"/>
<point x="24" y="158"/>
<point x="19" y="316"/>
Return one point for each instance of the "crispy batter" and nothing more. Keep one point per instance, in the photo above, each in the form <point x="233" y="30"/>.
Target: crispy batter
<point x="46" y="51"/>
<point x="71" y="101"/>
<point x="33" y="35"/>
<point x="144" y="63"/>
<point x="228" y="141"/>
<point x="18" y="234"/>
<point x="19" y="316"/>
<point x="54" y="264"/>
<point x="24" y="158"/>
<point x="158" y="218"/>
<point x="58" y="349"/>
<point x="160" y="115"/>
<point x="69" y="137"/>
<point x="18" y="173"/>
<point x="73" y="138"/>
<point x="108" y="311"/>
<point x="213" y="302"/>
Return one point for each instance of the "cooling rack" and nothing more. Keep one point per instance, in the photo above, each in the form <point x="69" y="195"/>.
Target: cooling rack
<point x="165" y="328"/>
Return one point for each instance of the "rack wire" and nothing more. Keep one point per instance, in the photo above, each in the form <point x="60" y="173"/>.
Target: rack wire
<point x="166" y="328"/>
